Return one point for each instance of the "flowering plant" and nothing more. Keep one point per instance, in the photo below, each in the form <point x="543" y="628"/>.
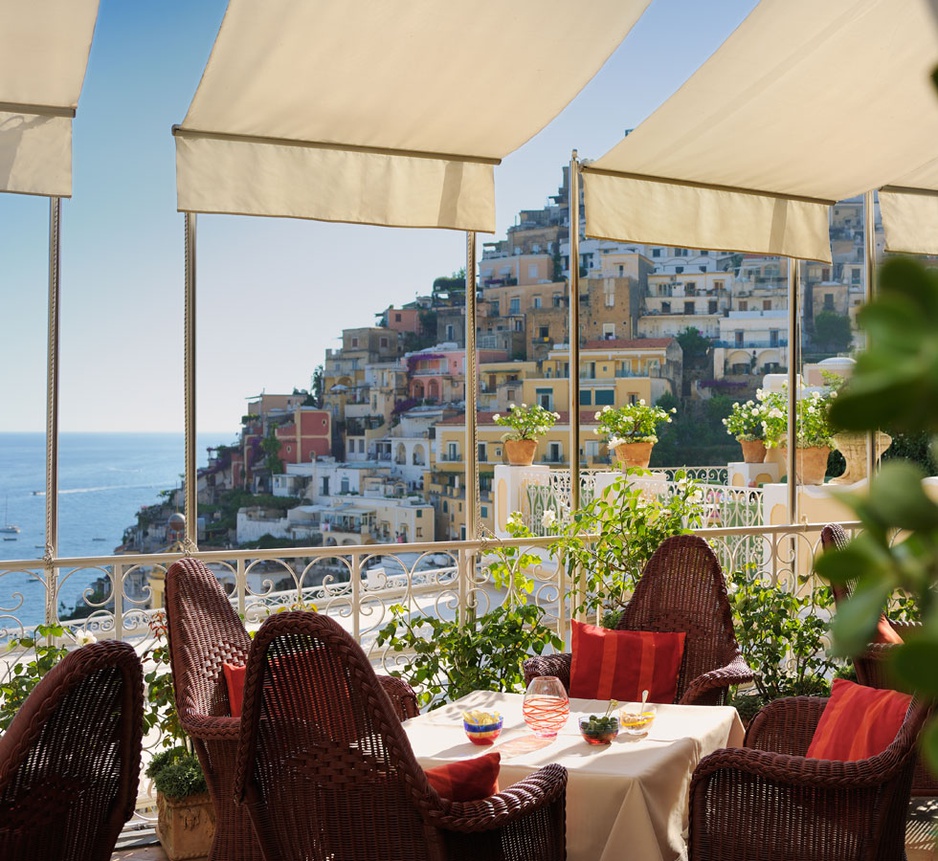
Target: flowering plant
<point x="632" y="423"/>
<point x="745" y="421"/>
<point x="526" y="422"/>
<point x="811" y="413"/>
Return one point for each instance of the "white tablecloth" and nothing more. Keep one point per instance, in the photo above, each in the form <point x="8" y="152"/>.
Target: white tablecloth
<point x="627" y="800"/>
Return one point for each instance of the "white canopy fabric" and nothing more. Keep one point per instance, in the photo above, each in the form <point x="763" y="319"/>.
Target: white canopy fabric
<point x="805" y="104"/>
<point x="44" y="46"/>
<point x="382" y="113"/>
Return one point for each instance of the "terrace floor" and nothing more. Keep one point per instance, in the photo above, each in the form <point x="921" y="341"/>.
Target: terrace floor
<point x="919" y="840"/>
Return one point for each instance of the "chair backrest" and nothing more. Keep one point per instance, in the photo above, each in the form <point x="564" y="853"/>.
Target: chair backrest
<point x="70" y="760"/>
<point x="833" y="537"/>
<point x="324" y="766"/>
<point x="682" y="588"/>
<point x="204" y="633"/>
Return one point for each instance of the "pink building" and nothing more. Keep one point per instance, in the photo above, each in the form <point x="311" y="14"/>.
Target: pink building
<point x="308" y="435"/>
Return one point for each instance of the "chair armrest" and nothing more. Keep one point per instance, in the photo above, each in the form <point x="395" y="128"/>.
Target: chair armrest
<point x="785" y="726"/>
<point x="544" y="787"/>
<point x="211" y="728"/>
<point x="402" y="696"/>
<point x="710" y="688"/>
<point x="549" y="665"/>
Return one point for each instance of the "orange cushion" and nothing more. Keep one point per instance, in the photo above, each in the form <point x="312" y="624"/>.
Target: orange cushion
<point x="885" y="633"/>
<point x="858" y="722"/>
<point x="621" y="664"/>
<point x="234" y="678"/>
<point x="467" y="780"/>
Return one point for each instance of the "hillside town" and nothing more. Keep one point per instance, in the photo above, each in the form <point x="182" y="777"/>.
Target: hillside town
<point x="374" y="451"/>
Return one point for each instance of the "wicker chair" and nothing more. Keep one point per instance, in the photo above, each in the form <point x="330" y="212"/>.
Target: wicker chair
<point x="70" y="760"/>
<point x="205" y="633"/>
<point x="681" y="589"/>
<point x="766" y="801"/>
<point x="872" y="664"/>
<point x="326" y="770"/>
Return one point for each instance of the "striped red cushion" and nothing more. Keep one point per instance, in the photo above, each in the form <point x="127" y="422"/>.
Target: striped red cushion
<point x="467" y="780"/>
<point x="858" y="722"/>
<point x="620" y="665"/>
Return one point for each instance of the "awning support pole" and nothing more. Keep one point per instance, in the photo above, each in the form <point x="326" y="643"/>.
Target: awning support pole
<point x="573" y="338"/>
<point x="869" y="236"/>
<point x="191" y="493"/>
<point x="473" y="515"/>
<point x="794" y="376"/>
<point x="52" y="411"/>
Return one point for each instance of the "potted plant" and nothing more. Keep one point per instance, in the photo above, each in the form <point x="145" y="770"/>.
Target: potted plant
<point x="528" y="424"/>
<point x="746" y="423"/>
<point x="813" y="432"/>
<point x="185" y="814"/>
<point x="631" y="431"/>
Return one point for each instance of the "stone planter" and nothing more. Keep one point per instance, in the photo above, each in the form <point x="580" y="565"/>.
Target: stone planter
<point x="753" y="450"/>
<point x="520" y="452"/>
<point x="634" y="454"/>
<point x="853" y="446"/>
<point x="185" y="826"/>
<point x="810" y="463"/>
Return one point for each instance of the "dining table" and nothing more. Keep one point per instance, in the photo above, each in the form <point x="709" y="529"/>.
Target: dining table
<point x="625" y="800"/>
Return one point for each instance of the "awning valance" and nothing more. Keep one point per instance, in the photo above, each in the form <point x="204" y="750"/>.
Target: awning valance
<point x="805" y="104"/>
<point x="44" y="46"/>
<point x="382" y="113"/>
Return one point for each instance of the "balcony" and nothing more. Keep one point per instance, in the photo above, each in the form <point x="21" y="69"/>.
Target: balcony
<point x="752" y="345"/>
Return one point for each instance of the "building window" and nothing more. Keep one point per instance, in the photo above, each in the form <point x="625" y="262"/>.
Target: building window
<point x="483" y="453"/>
<point x="773" y="337"/>
<point x="419" y="513"/>
<point x="383" y="342"/>
<point x="586" y="397"/>
<point x="514" y="305"/>
<point x="609" y="295"/>
<point x="766" y="304"/>
<point x="545" y="397"/>
<point x="690" y="288"/>
<point x="665" y="307"/>
<point x="621" y="270"/>
<point x="554" y="452"/>
<point x="445" y="507"/>
<point x="743" y="305"/>
<point x="828" y="301"/>
<point x="452" y="451"/>
<point x="354" y="342"/>
<point x="717" y="285"/>
<point x="633" y="398"/>
<point x="655" y="252"/>
<point x="485" y="511"/>
<point x="518" y="324"/>
<point x="688" y="307"/>
<point x="544" y="333"/>
<point x="605" y="397"/>
<point x="557" y="300"/>
<point x="419" y="531"/>
<point x="532" y="271"/>
<point x="678" y="269"/>
<point x="609" y="331"/>
<point x="712" y="306"/>
<point x="738" y="338"/>
<point x="536" y="302"/>
<point x="397" y="318"/>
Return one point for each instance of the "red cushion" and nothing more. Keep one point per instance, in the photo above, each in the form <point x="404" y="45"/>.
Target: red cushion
<point x="467" y="780"/>
<point x="858" y="722"/>
<point x="885" y="633"/>
<point x="234" y="678"/>
<point x="621" y="664"/>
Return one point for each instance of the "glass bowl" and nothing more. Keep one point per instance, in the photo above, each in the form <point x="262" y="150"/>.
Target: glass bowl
<point x="482" y="727"/>
<point x="597" y="729"/>
<point x="635" y="719"/>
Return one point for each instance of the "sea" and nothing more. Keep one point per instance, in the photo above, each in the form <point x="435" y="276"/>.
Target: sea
<point x="103" y="481"/>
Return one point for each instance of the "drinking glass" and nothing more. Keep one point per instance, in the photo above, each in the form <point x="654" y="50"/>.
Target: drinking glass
<point x="546" y="706"/>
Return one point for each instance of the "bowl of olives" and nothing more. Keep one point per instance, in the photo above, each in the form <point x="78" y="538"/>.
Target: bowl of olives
<point x="599" y="729"/>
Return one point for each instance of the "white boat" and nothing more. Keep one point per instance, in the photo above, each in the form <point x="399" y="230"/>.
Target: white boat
<point x="7" y="526"/>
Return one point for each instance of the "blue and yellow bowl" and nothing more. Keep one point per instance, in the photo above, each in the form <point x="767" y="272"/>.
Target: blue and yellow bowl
<point x="482" y="728"/>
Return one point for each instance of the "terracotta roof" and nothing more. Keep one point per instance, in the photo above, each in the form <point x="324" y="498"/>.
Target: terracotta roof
<point x="624" y="344"/>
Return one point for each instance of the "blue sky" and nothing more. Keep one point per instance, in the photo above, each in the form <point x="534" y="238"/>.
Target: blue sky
<point x="273" y="294"/>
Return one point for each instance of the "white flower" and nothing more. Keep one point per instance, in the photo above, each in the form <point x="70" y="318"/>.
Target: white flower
<point x="557" y="416"/>
<point x="596" y="415"/>
<point x="514" y="519"/>
<point x="85" y="638"/>
<point x="548" y="518"/>
<point x="511" y="406"/>
<point x="641" y="402"/>
<point x="524" y="406"/>
<point x="496" y="417"/>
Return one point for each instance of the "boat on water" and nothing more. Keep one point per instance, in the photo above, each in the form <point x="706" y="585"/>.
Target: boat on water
<point x="7" y="526"/>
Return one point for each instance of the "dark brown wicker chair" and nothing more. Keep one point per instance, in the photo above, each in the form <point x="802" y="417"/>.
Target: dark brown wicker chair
<point x="327" y="772"/>
<point x="681" y="589"/>
<point x="872" y="664"/>
<point x="70" y="760"/>
<point x="766" y="801"/>
<point x="204" y="633"/>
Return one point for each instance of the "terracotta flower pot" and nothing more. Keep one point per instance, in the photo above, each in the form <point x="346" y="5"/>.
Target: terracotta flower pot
<point x="810" y="463"/>
<point x="634" y="454"/>
<point x="520" y="452"/>
<point x="753" y="450"/>
<point x="185" y="826"/>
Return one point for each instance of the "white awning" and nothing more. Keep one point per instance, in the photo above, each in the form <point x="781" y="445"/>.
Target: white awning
<point x="44" y="46"/>
<point x="805" y="104"/>
<point x="382" y="113"/>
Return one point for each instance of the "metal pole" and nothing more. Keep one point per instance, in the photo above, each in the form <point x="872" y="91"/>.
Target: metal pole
<point x="794" y="365"/>
<point x="573" y="338"/>
<point x="472" y="395"/>
<point x="870" y="243"/>
<point x="52" y="412"/>
<point x="191" y="496"/>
